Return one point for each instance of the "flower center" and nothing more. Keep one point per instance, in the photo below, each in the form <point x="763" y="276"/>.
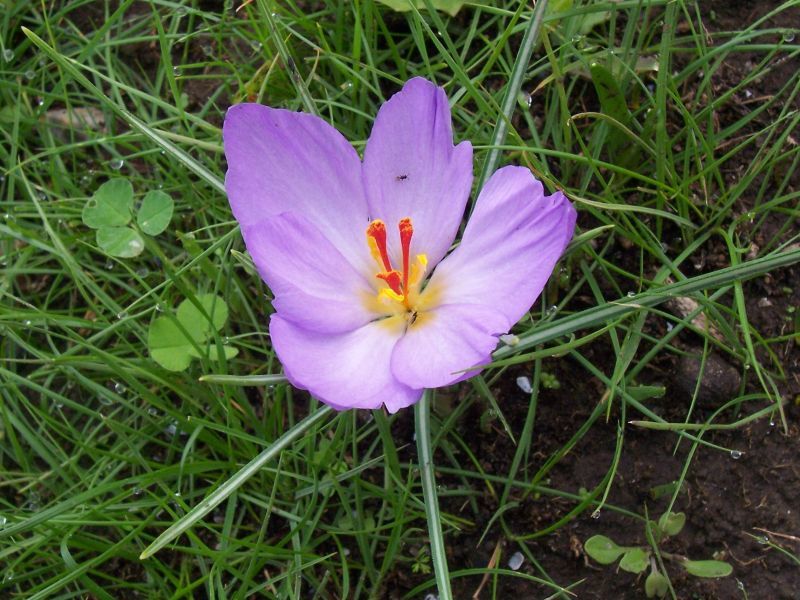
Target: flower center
<point x="401" y="286"/>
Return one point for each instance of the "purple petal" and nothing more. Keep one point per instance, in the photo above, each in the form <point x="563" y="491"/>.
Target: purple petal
<point x="280" y="161"/>
<point x="510" y="246"/>
<point x="412" y="169"/>
<point x="314" y="286"/>
<point x="444" y="341"/>
<point x="346" y="370"/>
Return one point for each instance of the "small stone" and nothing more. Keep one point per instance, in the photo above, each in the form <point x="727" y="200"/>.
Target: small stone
<point x="516" y="560"/>
<point x="720" y="381"/>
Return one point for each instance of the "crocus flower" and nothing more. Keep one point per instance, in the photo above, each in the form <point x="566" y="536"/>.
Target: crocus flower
<point x="370" y="308"/>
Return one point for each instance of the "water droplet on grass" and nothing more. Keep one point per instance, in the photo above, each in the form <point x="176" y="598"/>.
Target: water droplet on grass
<point x="176" y="71"/>
<point x="524" y="383"/>
<point x="29" y="74"/>
<point x="255" y="45"/>
<point x="736" y="454"/>
<point x="121" y="315"/>
<point x="181" y="11"/>
<point x="3" y="521"/>
<point x="788" y="35"/>
<point x="516" y="560"/>
<point x="119" y="388"/>
<point x="8" y="55"/>
<point x="596" y="514"/>
<point x="116" y="164"/>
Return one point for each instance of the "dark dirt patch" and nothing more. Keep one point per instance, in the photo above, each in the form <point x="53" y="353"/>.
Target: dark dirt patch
<point x="724" y="498"/>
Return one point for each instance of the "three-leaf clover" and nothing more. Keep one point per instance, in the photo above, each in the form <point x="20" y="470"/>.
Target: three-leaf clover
<point x="110" y="210"/>
<point x="173" y="342"/>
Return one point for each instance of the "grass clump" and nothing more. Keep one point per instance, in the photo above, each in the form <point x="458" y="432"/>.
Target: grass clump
<point x="674" y="132"/>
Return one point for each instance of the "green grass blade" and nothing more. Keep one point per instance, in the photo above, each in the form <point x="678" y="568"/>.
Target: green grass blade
<point x="422" y="417"/>
<point x="230" y="486"/>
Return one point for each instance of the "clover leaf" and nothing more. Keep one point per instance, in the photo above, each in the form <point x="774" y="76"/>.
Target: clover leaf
<point x="110" y="206"/>
<point x="174" y="342"/>
<point x="110" y="210"/>
<point x="122" y="242"/>
<point x="155" y="213"/>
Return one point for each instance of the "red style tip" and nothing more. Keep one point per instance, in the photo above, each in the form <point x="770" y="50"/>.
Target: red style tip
<point x="406" y="231"/>
<point x="377" y="231"/>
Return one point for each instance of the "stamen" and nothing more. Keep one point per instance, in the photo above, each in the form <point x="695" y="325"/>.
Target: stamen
<point x="406" y="231"/>
<point x="376" y="237"/>
<point x="392" y="279"/>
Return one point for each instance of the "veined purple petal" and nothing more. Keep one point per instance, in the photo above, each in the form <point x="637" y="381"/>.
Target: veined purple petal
<point x="412" y="169"/>
<point x="510" y="245"/>
<point x="346" y="370"/>
<point x="444" y="341"/>
<point x="281" y="161"/>
<point x="314" y="286"/>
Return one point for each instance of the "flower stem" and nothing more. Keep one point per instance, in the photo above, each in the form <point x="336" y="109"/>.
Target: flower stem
<point x="422" y="414"/>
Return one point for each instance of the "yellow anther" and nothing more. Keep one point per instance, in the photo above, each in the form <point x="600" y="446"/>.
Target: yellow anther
<point x="390" y="294"/>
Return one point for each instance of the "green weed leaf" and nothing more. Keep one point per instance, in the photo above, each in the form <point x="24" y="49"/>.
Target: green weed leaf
<point x="707" y="568"/>
<point x="635" y="560"/>
<point x="173" y="349"/>
<point x="122" y="242"/>
<point x="110" y="206"/>
<point x="451" y="7"/>
<point x="155" y="213"/>
<point x="672" y="523"/>
<point x="229" y="351"/>
<point x="197" y="323"/>
<point x="602" y="549"/>
<point x="168" y="345"/>
<point x="656" y="585"/>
